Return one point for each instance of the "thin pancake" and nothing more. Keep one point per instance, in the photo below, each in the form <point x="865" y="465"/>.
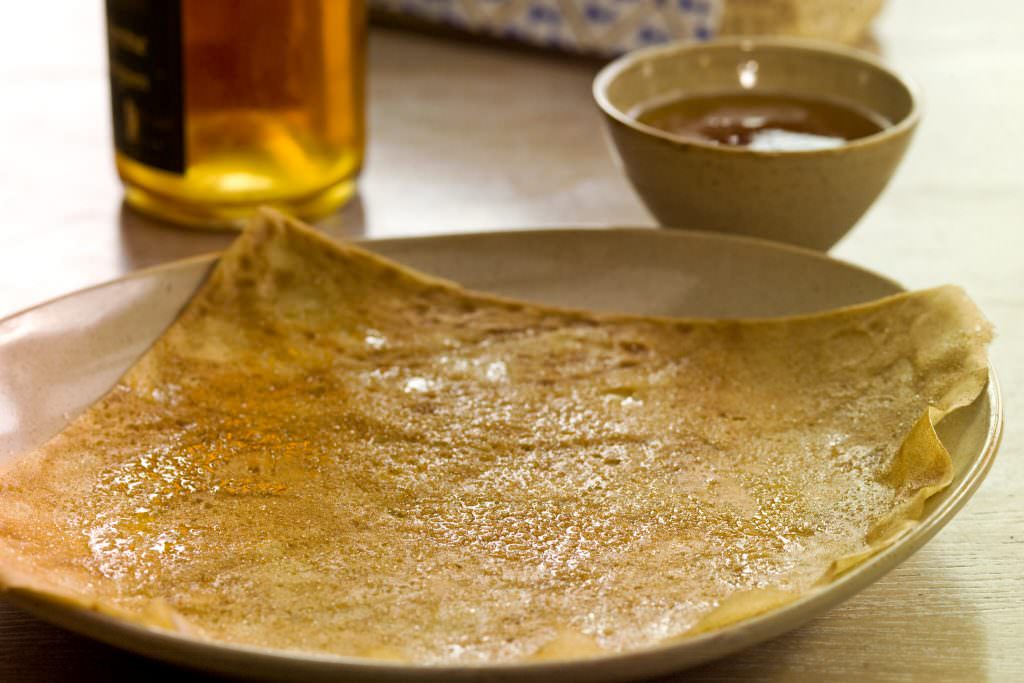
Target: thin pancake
<point x="328" y="452"/>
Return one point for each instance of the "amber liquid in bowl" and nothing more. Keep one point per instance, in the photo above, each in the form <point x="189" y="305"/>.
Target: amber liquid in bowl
<point x="763" y="122"/>
<point x="273" y="112"/>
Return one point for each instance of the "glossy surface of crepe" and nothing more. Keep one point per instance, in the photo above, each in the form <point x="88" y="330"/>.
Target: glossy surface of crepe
<point x="327" y="452"/>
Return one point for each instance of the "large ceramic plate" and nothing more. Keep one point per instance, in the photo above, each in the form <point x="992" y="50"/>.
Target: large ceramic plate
<point x="57" y="358"/>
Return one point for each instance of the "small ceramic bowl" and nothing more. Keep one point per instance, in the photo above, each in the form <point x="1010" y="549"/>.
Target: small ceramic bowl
<point x="810" y="198"/>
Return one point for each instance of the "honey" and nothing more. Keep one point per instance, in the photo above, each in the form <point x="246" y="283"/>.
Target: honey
<point x="221" y="106"/>
<point x="763" y="122"/>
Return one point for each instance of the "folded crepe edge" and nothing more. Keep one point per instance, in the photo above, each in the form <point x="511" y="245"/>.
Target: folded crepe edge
<point x="921" y="467"/>
<point x="270" y="225"/>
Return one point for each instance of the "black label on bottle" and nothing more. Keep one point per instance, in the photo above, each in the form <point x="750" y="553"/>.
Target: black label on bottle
<point x="147" y="90"/>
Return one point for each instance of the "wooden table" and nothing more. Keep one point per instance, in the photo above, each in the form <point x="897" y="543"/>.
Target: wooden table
<point x="466" y="137"/>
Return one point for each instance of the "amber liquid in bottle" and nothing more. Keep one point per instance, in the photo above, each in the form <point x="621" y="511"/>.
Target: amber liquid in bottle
<point x="273" y="112"/>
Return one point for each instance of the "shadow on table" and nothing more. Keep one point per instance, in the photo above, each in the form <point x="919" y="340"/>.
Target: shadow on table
<point x="870" y="42"/>
<point x="147" y="241"/>
<point x="48" y="654"/>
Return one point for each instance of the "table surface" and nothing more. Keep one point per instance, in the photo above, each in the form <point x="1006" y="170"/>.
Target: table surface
<point x="444" y="158"/>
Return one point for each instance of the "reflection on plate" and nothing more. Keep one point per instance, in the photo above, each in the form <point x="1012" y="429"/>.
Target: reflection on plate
<point x="61" y="356"/>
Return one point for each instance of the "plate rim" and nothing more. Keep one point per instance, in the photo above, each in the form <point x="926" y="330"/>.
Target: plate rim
<point x="368" y="243"/>
<point x="182" y="649"/>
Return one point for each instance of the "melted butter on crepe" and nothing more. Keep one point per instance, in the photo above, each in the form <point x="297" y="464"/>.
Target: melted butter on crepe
<point x="328" y="452"/>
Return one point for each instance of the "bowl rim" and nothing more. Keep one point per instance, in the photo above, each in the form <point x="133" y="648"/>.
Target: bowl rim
<point x="614" y="69"/>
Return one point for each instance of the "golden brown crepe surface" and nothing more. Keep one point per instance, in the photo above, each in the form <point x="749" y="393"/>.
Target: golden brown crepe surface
<point x="328" y="452"/>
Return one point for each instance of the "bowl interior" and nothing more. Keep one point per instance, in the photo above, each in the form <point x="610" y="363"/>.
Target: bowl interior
<point x="657" y="75"/>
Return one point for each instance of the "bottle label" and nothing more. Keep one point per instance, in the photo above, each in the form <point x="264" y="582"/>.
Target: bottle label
<point x="146" y="81"/>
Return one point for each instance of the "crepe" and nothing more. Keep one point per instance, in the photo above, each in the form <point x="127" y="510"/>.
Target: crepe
<point x="328" y="452"/>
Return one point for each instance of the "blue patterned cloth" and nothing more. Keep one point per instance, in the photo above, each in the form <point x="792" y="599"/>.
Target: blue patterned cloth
<point x="604" y="27"/>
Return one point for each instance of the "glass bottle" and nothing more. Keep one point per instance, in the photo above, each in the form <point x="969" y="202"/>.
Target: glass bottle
<point x="221" y="106"/>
